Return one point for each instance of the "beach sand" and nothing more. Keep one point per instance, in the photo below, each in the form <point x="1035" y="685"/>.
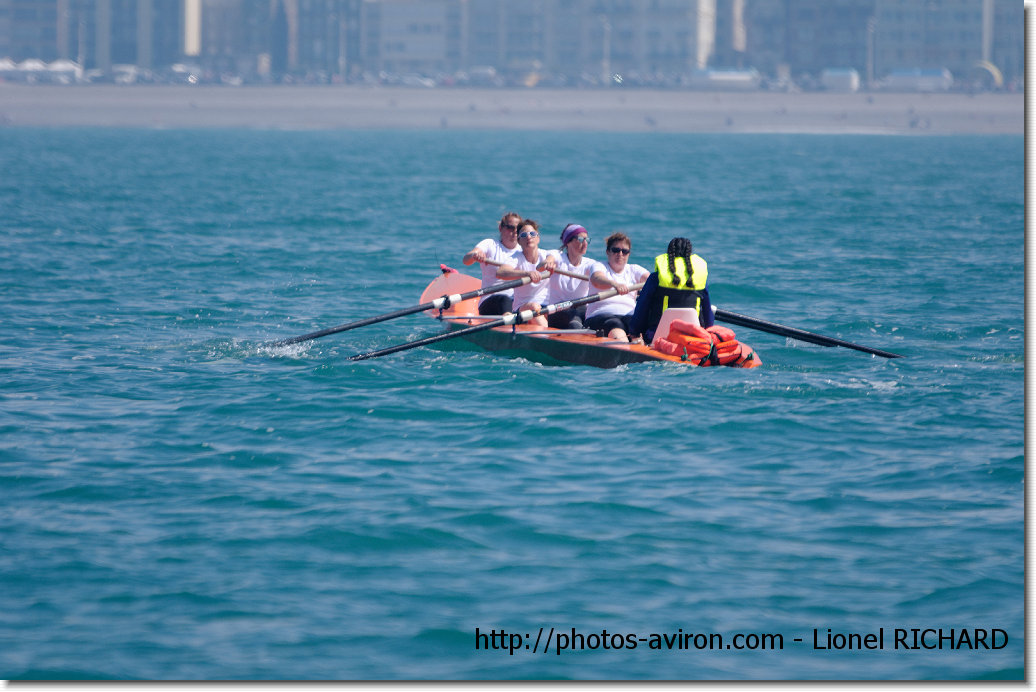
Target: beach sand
<point x="615" y="110"/>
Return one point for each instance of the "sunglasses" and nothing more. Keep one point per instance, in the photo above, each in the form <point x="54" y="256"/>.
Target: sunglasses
<point x="619" y="250"/>
<point x="511" y="226"/>
<point x="583" y="239"/>
<point x="528" y="234"/>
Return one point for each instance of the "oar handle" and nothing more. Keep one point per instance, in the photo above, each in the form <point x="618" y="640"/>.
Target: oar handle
<point x="586" y="300"/>
<point x="508" y="319"/>
<point x="553" y="271"/>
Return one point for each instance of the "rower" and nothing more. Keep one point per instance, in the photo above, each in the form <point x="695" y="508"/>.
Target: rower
<point x="505" y="250"/>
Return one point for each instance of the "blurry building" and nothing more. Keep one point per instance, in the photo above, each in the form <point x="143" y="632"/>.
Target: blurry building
<point x="766" y="36"/>
<point x="233" y="34"/>
<point x="591" y="38"/>
<point x="823" y="34"/>
<point x="647" y="38"/>
<point x="28" y="29"/>
<point x="731" y="39"/>
<point x="655" y="42"/>
<point x="411" y="36"/>
<point x="1007" y="44"/>
<point x="963" y="36"/>
<point x="309" y="39"/>
<point x="94" y="33"/>
<point x="793" y="38"/>
<point x="328" y="39"/>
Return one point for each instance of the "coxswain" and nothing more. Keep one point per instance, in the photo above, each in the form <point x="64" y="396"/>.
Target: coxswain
<point x="678" y="281"/>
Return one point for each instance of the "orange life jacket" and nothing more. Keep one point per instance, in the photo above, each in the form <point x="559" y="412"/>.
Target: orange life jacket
<point x="716" y="345"/>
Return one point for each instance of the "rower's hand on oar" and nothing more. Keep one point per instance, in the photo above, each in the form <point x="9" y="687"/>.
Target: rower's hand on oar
<point x="476" y="255"/>
<point x="621" y="289"/>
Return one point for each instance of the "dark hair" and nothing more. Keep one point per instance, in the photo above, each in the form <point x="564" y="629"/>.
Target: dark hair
<point x="615" y="238"/>
<point x="680" y="247"/>
<point x="528" y="222"/>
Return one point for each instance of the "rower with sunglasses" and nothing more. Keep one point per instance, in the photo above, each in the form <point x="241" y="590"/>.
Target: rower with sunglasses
<point x="503" y="250"/>
<point x="529" y="262"/>
<point x="612" y="316"/>
<point x="571" y="258"/>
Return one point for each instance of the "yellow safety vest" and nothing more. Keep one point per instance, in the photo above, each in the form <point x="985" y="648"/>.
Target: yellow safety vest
<point x="673" y="291"/>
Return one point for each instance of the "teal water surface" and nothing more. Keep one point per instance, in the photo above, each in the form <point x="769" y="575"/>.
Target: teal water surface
<point x="184" y="501"/>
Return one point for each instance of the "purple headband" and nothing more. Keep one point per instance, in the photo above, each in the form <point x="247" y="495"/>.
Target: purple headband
<point x="570" y="232"/>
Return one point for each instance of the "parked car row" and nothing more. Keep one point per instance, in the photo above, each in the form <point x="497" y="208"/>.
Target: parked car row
<point x="721" y="79"/>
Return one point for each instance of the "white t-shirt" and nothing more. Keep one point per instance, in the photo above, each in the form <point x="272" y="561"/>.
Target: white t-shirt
<point x="498" y="253"/>
<point x="530" y="293"/>
<point x="618" y="304"/>
<point x="565" y="287"/>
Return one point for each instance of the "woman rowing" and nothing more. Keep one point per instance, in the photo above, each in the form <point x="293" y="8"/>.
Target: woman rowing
<point x="678" y="282"/>
<point x="611" y="316"/>
<point x="570" y="257"/>
<point x="531" y="296"/>
<point x="503" y="250"/>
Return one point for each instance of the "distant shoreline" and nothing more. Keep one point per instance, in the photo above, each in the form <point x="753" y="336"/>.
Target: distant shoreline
<point x="616" y="110"/>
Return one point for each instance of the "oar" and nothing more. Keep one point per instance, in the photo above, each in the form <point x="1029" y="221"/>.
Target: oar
<point x="793" y="333"/>
<point x="441" y="302"/>
<point x="556" y="271"/>
<point x="507" y="320"/>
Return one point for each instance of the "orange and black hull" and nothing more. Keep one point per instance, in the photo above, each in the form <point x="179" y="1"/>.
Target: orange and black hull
<point x="542" y="344"/>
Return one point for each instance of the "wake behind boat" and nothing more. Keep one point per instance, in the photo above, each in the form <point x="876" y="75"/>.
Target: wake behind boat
<point x="559" y="346"/>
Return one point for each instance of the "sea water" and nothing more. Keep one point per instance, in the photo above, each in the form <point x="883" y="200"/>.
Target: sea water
<point x="181" y="500"/>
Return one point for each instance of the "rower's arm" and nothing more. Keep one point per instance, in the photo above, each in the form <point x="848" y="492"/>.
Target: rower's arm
<point x="599" y="280"/>
<point x="509" y="272"/>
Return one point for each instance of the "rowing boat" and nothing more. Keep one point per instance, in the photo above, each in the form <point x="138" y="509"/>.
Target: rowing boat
<point x="453" y="298"/>
<point x="541" y="344"/>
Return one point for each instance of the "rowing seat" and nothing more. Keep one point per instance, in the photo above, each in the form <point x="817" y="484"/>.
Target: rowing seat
<point x="685" y="314"/>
